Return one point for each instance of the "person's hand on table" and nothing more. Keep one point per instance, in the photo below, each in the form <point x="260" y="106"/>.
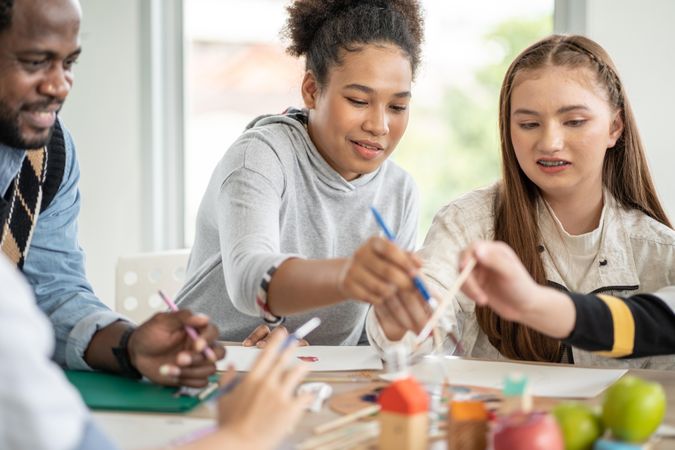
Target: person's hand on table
<point x="261" y="335"/>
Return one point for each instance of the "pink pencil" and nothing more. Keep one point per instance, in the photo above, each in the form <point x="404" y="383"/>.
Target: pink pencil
<point x="207" y="351"/>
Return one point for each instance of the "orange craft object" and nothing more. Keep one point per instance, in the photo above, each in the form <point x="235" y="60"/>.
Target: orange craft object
<point x="404" y="396"/>
<point x="468" y="410"/>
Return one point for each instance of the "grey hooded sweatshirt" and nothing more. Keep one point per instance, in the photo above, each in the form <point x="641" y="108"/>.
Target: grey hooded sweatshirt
<point x="273" y="197"/>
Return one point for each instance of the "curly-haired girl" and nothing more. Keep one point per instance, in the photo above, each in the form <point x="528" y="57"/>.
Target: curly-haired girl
<point x="282" y="226"/>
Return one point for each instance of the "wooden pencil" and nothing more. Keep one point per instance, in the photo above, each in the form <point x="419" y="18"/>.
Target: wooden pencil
<point x="331" y="436"/>
<point x="344" y="420"/>
<point x="353" y="439"/>
<point x="438" y="341"/>
<point x="337" y="380"/>
<point x="435" y="317"/>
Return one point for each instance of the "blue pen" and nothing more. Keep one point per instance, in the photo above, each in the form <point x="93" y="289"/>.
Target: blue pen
<point x="300" y="333"/>
<point x="417" y="281"/>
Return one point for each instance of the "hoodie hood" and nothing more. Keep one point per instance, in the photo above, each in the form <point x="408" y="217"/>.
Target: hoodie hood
<point x="298" y="120"/>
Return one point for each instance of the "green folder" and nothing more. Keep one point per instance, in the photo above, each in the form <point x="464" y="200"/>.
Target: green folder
<point x="107" y="391"/>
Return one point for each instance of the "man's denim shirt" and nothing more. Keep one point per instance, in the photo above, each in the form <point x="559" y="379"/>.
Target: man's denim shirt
<point x="54" y="265"/>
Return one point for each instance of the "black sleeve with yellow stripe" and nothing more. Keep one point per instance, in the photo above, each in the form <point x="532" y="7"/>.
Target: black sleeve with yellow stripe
<point x="641" y="325"/>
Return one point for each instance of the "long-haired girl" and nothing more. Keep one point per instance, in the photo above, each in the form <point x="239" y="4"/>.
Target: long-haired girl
<point x="575" y="201"/>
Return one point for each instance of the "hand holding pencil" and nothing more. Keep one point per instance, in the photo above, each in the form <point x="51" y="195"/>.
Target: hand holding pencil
<point x="263" y="407"/>
<point x="200" y="344"/>
<point x="163" y="352"/>
<point x="166" y="352"/>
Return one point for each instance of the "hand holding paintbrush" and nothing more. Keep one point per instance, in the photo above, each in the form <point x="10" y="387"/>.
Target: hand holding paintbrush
<point x="403" y="311"/>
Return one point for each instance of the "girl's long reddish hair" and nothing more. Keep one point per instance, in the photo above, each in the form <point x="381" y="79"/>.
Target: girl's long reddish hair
<point x="625" y="175"/>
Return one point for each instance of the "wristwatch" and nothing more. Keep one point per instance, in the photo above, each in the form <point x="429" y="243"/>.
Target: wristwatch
<point x="121" y="353"/>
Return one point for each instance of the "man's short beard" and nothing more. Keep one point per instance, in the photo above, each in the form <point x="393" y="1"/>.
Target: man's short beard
<point x="10" y="134"/>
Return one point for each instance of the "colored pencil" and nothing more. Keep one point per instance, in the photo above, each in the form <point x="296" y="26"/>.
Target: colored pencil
<point x="207" y="351"/>
<point x="302" y="331"/>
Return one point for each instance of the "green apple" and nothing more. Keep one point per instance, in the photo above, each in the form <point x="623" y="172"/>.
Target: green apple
<point x="580" y="425"/>
<point x="633" y="408"/>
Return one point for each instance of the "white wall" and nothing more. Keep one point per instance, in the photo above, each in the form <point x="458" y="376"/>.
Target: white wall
<point x="103" y="113"/>
<point x="640" y="37"/>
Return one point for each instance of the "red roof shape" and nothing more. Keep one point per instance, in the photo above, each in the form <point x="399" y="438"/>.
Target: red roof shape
<point x="405" y="396"/>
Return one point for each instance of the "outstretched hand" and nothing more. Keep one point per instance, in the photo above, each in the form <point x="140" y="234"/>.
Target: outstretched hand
<point x="499" y="279"/>
<point x="501" y="282"/>
<point x="162" y="351"/>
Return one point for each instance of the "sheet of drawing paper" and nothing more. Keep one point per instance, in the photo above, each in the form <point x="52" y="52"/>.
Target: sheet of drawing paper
<point x="320" y="358"/>
<point x="544" y="380"/>
<point x="142" y="431"/>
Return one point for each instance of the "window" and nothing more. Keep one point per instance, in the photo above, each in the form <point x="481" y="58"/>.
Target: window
<point x="237" y="69"/>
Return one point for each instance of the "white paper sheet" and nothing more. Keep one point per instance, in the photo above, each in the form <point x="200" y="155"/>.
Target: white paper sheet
<point x="545" y="381"/>
<point x="135" y="431"/>
<point x="329" y="358"/>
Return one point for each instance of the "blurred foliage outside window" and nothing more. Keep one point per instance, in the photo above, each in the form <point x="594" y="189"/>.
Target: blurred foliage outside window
<point x="236" y="69"/>
<point x="454" y="148"/>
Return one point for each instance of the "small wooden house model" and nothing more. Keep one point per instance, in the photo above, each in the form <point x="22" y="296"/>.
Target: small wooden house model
<point x="404" y="416"/>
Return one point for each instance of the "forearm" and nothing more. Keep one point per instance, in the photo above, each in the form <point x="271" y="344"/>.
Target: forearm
<point x="99" y="353"/>
<point x="553" y="313"/>
<point x="636" y="326"/>
<point x="300" y="285"/>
